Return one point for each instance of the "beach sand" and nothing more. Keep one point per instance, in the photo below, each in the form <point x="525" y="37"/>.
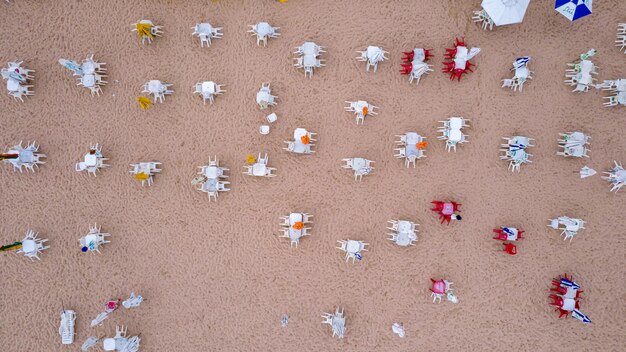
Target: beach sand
<point x="215" y="275"/>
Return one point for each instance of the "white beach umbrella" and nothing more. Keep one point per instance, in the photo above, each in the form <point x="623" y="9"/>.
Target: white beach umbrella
<point x="504" y="12"/>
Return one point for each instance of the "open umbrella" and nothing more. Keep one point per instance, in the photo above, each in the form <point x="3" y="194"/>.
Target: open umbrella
<point x="504" y="12"/>
<point x="573" y="9"/>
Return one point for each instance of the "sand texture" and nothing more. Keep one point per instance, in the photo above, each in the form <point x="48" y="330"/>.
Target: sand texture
<point x="216" y="276"/>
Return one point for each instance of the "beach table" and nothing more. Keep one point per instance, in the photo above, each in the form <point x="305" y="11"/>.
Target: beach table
<point x="460" y="59"/>
<point x="212" y="172"/>
<point x="511" y="233"/>
<point x="262" y="96"/>
<point x="210" y="185"/>
<point x="404" y="239"/>
<point x="569" y="304"/>
<point x="575" y="150"/>
<point x="353" y="247"/>
<point x="91" y="160"/>
<point x="88" y="80"/>
<point x="259" y="169"/>
<point x="155" y="86"/>
<point x="405" y="226"/>
<point x="29" y="246"/>
<point x="88" y="67"/>
<point x="300" y="148"/>
<point x="13" y="85"/>
<point x="309" y="48"/>
<point x="456" y="123"/>
<point x="455" y="135"/>
<point x="25" y="155"/>
<point x="448" y="209"/>
<point x="338" y="325"/>
<point x="309" y="60"/>
<point x="298" y="133"/>
<point x="208" y="89"/>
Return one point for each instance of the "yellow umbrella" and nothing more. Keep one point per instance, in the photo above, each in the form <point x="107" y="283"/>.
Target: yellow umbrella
<point x="144" y="102"/>
<point x="144" y="30"/>
<point x="250" y="159"/>
<point x="142" y="176"/>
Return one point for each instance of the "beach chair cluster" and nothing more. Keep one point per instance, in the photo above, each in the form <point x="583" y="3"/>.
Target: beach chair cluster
<point x="24" y="158"/>
<point x="295" y="226"/>
<point x="302" y="142"/>
<point x="579" y="74"/>
<point x="440" y="288"/>
<point x="618" y="89"/>
<point x="574" y="144"/>
<point x="522" y="74"/>
<point x="414" y="64"/>
<point x="411" y="147"/>
<point x="515" y="151"/>
<point x="372" y="55"/>
<point x="205" y="32"/>
<point x="403" y="232"/>
<point x="263" y="31"/>
<point x="19" y="80"/>
<point x="309" y="57"/>
<point x="93" y="240"/>
<point x="92" y="161"/>
<point x="147" y="31"/>
<point x="145" y="172"/>
<point x="353" y="249"/>
<point x="508" y="234"/>
<point x="566" y="298"/>
<point x="360" y="166"/>
<point x="337" y="322"/>
<point x="208" y="90"/>
<point x="89" y="74"/>
<point x="452" y="132"/>
<point x="361" y="109"/>
<point x="616" y="176"/>
<point x="257" y="167"/>
<point x="569" y="226"/>
<point x="211" y="179"/>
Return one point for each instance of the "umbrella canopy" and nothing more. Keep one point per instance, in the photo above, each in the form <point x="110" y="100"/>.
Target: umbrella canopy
<point x="505" y="11"/>
<point x="573" y="9"/>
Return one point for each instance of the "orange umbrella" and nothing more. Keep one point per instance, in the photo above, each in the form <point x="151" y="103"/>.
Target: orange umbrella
<point x="365" y="110"/>
<point x="305" y="139"/>
<point x="298" y="225"/>
<point x="421" y="145"/>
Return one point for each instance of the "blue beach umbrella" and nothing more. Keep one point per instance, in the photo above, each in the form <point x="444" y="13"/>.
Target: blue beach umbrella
<point x="573" y="9"/>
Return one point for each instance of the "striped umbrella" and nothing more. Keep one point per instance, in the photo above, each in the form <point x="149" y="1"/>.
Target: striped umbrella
<point x="573" y="9"/>
<point x="12" y="246"/>
<point x="580" y="316"/>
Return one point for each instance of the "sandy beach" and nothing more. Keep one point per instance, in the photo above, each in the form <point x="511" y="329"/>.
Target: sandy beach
<point x="216" y="275"/>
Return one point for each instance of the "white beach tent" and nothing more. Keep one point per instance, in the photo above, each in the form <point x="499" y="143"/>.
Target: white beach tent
<point x="503" y="12"/>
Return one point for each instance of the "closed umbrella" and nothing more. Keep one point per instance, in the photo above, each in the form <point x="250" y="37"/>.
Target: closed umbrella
<point x="504" y="12"/>
<point x="573" y="9"/>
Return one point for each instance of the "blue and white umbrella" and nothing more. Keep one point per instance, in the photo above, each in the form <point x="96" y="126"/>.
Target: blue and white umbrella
<point x="580" y="316"/>
<point x="570" y="284"/>
<point x="573" y="9"/>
